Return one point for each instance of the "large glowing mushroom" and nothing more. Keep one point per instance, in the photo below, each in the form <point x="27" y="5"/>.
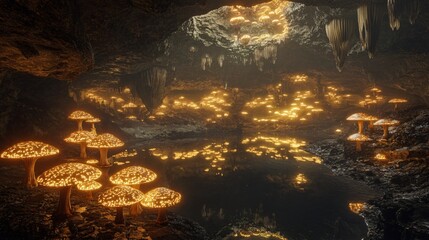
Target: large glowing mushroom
<point x="82" y="138"/>
<point x="359" y="118"/>
<point x="64" y="176"/>
<point x="79" y="117"/>
<point x="397" y="101"/>
<point x="93" y="121"/>
<point x="161" y="198"/>
<point x="103" y="142"/>
<point x="133" y="176"/>
<point x="119" y="197"/>
<point x="89" y="187"/>
<point x="359" y="139"/>
<point x="386" y="123"/>
<point x="29" y="152"/>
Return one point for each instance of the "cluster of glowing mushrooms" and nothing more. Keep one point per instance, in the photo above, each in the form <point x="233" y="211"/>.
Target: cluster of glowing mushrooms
<point x="83" y="176"/>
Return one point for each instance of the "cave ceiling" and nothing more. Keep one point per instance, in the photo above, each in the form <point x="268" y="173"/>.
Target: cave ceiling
<point x="102" y="41"/>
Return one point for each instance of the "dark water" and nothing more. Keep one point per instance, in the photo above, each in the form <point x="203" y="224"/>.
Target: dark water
<point x="261" y="181"/>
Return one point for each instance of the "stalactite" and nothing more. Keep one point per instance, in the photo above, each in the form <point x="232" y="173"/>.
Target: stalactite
<point x="220" y="60"/>
<point x="203" y="63"/>
<point x="206" y="62"/>
<point x="151" y="87"/>
<point x="340" y="33"/>
<point x="413" y="9"/>
<point x="209" y="61"/>
<point x="395" y="8"/>
<point x="369" y="20"/>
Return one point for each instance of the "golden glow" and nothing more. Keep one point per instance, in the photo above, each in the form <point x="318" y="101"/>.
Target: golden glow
<point x="380" y="156"/>
<point x="356" y="207"/>
<point x="300" y="179"/>
<point x="132" y="176"/>
<point x="89" y="186"/>
<point x="126" y="154"/>
<point x="129" y="105"/>
<point x="80" y="137"/>
<point x="256" y="233"/>
<point x="29" y="149"/>
<point x="161" y="198"/>
<point x="398" y="100"/>
<point x="68" y="174"/>
<point x="105" y="140"/>
<point x="358" y="137"/>
<point x="92" y="161"/>
<point x="93" y="120"/>
<point x="80" y="115"/>
<point x="361" y="117"/>
<point x="120" y="196"/>
<point x="386" y="122"/>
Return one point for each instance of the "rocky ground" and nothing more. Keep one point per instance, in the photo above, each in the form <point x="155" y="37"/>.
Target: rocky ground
<point x="403" y="210"/>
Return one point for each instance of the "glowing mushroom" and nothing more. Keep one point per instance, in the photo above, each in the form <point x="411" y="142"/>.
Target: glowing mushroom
<point x="358" y="138"/>
<point x="64" y="176"/>
<point x="386" y="123"/>
<point x="104" y="142"/>
<point x="93" y="121"/>
<point x="29" y="152"/>
<point x="371" y="119"/>
<point x="129" y="107"/>
<point x="161" y="198"/>
<point x="81" y="137"/>
<point x="360" y="118"/>
<point x="89" y="187"/>
<point x="133" y="176"/>
<point x="80" y="116"/>
<point x="119" y="197"/>
<point x="397" y="101"/>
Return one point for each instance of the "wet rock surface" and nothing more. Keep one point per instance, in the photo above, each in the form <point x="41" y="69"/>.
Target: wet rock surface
<point x="402" y="211"/>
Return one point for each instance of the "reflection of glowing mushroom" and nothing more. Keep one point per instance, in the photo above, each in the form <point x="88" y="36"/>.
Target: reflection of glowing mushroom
<point x="29" y="151"/>
<point x="161" y="198"/>
<point x="385" y="123"/>
<point x="80" y="116"/>
<point x="119" y="197"/>
<point x="133" y="176"/>
<point x="81" y="137"/>
<point x="359" y="117"/>
<point x="93" y="121"/>
<point x="89" y="187"/>
<point x="358" y="138"/>
<point x="397" y="101"/>
<point x="64" y="176"/>
<point x="104" y="142"/>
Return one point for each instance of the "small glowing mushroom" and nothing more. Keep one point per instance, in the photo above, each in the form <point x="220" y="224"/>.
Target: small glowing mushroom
<point x="29" y="152"/>
<point x="119" y="197"/>
<point x="129" y="107"/>
<point x="81" y="137"/>
<point x="161" y="198"/>
<point x="397" y="101"/>
<point x="358" y="138"/>
<point x="245" y="39"/>
<point x="386" y="123"/>
<point x="80" y="116"/>
<point x="89" y="187"/>
<point x="133" y="176"/>
<point x="104" y="142"/>
<point x="64" y="176"/>
<point x="360" y="118"/>
<point x="93" y="121"/>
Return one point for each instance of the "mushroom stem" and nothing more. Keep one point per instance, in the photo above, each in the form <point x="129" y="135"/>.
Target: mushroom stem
<point x="371" y="126"/>
<point x="162" y="216"/>
<point x="83" y="150"/>
<point x="89" y="195"/>
<point x="79" y="125"/>
<point x="136" y="209"/>
<point x="93" y="128"/>
<point x="358" y="146"/>
<point x="385" y="132"/>
<point x="29" y="169"/>
<point x="360" y="126"/>
<point x="396" y="107"/>
<point x="64" y="205"/>
<point x="119" y="218"/>
<point x="103" y="157"/>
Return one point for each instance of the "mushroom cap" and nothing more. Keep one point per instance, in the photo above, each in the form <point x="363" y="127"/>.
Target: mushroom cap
<point x="358" y="137"/>
<point x="80" y="137"/>
<point x="386" y="122"/>
<point x="133" y="175"/>
<point x="68" y="174"/>
<point x="361" y="117"/>
<point x="92" y="161"/>
<point x="93" y="120"/>
<point x="120" y="196"/>
<point x="398" y="100"/>
<point x="119" y="100"/>
<point x="89" y="186"/>
<point x="105" y="140"/>
<point x="129" y="105"/>
<point x="80" y="115"/>
<point x="161" y="198"/>
<point x="29" y="149"/>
